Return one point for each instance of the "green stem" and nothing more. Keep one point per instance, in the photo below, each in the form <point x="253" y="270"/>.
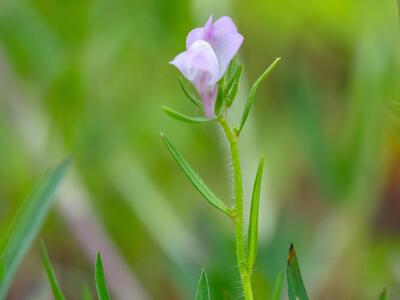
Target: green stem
<point x="238" y="209"/>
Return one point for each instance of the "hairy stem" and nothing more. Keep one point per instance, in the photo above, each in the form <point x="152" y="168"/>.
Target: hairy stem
<point x="238" y="208"/>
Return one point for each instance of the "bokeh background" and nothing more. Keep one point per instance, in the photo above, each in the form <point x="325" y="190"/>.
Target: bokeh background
<point x="86" y="79"/>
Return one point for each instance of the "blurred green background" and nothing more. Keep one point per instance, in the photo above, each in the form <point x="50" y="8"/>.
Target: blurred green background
<point x="86" y="79"/>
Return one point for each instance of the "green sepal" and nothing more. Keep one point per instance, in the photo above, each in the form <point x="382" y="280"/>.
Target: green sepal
<point x="101" y="285"/>
<point x="182" y="117"/>
<point x="203" y="289"/>
<point x="296" y="288"/>
<point x="252" y="242"/>
<point x="252" y="94"/>
<point x="219" y="102"/>
<point x="194" y="178"/>
<point x="190" y="92"/>
<point x="55" y="288"/>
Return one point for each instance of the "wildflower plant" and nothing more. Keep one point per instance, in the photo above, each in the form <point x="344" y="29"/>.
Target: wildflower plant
<point x="212" y="75"/>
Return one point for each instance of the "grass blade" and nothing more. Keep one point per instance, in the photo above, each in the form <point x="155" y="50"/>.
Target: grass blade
<point x="27" y="224"/>
<point x="101" y="285"/>
<point x="384" y="294"/>
<point x="252" y="94"/>
<point x="57" y="292"/>
<point x="296" y="288"/>
<point x="278" y="286"/>
<point x="253" y="221"/>
<point x="181" y="117"/>
<point x="194" y="178"/>
<point x="195" y="100"/>
<point x="203" y="290"/>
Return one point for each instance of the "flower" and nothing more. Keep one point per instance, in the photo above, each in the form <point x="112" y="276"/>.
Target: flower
<point x="209" y="52"/>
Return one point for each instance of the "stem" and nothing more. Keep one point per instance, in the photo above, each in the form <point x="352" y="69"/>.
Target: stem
<point x="238" y="208"/>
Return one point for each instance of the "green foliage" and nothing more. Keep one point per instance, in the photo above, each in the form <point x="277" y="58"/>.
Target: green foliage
<point x="203" y="290"/>
<point x="86" y="294"/>
<point x="1" y="269"/>
<point x="181" y="117"/>
<point x="252" y="94"/>
<point x="233" y="88"/>
<point x="384" y="294"/>
<point x="57" y="292"/>
<point x="252" y="243"/>
<point x="278" y="286"/>
<point x="296" y="288"/>
<point x="101" y="285"/>
<point x="27" y="224"/>
<point x="219" y="102"/>
<point x="194" y="178"/>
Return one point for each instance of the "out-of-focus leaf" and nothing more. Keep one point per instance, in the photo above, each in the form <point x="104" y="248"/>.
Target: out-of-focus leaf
<point x="384" y="294"/>
<point x="1" y="269"/>
<point x="203" y="290"/>
<point x="252" y="94"/>
<point x="101" y="285"/>
<point x="86" y="294"/>
<point x="278" y="286"/>
<point x="57" y="292"/>
<point x="194" y="178"/>
<point x="253" y="221"/>
<point x="181" y="117"/>
<point x="190" y="95"/>
<point x="296" y="288"/>
<point x="233" y="88"/>
<point x="27" y="224"/>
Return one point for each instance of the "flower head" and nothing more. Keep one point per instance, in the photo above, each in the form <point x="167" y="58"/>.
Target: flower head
<point x="209" y="50"/>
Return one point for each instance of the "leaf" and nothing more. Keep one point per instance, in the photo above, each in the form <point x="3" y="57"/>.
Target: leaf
<point x="181" y="117"/>
<point x="296" y="288"/>
<point x="194" y="178"/>
<point x="86" y="294"/>
<point x="252" y="94"/>
<point x="252" y="242"/>
<point x="278" y="286"/>
<point x="27" y="224"/>
<point x="233" y="89"/>
<point x="57" y="292"/>
<point x="203" y="290"/>
<point x="101" y="286"/>
<point x="193" y="98"/>
<point x="384" y="294"/>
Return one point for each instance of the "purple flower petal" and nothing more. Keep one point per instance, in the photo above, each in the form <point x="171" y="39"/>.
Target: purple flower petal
<point x="199" y="64"/>
<point x="223" y="38"/>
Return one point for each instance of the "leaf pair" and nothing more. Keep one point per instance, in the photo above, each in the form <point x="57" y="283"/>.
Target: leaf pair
<point x="101" y="284"/>
<point x="26" y="226"/>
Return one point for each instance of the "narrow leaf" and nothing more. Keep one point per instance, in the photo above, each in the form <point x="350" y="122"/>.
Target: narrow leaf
<point x="181" y="117"/>
<point x="86" y="294"/>
<point x="384" y="294"/>
<point x="27" y="224"/>
<point x="194" y="99"/>
<point x="194" y="178"/>
<point x="252" y="243"/>
<point x="278" y="286"/>
<point x="296" y="288"/>
<point x="252" y="94"/>
<point x="203" y="290"/>
<point x="57" y="292"/>
<point x="101" y="286"/>
<point x="233" y="89"/>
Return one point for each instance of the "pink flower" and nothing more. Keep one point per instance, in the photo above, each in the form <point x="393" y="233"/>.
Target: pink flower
<point x="209" y="52"/>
